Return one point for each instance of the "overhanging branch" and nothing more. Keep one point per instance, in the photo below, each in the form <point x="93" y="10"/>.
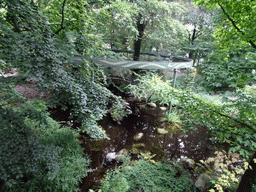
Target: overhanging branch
<point x="237" y="121"/>
<point x="229" y="117"/>
<point x="234" y="24"/>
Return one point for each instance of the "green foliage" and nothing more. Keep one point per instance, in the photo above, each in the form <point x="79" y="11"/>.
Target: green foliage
<point x="9" y="96"/>
<point x="146" y="86"/>
<point x="173" y="117"/>
<point x="115" y="182"/>
<point x="190" y="79"/>
<point x="237" y="21"/>
<point x="225" y="169"/>
<point x="75" y="14"/>
<point x="228" y="69"/>
<point x="144" y="176"/>
<point x="188" y="82"/>
<point x="148" y="157"/>
<point x="231" y="64"/>
<point x="22" y="154"/>
<point x="119" y="110"/>
<point x="117" y="24"/>
<point x="46" y="57"/>
<point x="200" y="25"/>
<point x="36" y="154"/>
<point x="230" y="121"/>
<point x="72" y="163"/>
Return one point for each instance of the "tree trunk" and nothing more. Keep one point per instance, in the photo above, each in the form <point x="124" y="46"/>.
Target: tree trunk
<point x="137" y="44"/>
<point x="248" y="178"/>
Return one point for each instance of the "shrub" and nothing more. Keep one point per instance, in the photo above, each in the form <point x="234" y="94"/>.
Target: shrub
<point x="23" y="156"/>
<point x="36" y="155"/>
<point x="144" y="176"/>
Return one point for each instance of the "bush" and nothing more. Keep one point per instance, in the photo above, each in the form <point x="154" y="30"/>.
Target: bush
<point x="144" y="176"/>
<point x="36" y="155"/>
<point x="22" y="154"/>
<point x="223" y="69"/>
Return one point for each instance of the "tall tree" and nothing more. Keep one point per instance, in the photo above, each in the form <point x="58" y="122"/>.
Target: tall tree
<point x="143" y="25"/>
<point x="238" y="20"/>
<point x="200" y="27"/>
<point x="156" y="17"/>
<point x="236" y="31"/>
<point x="232" y="62"/>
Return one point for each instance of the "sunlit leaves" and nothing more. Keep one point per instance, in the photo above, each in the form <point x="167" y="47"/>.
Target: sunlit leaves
<point x="238" y="19"/>
<point x="228" y="69"/>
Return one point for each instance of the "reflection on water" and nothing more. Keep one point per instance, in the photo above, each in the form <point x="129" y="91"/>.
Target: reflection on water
<point x="194" y="145"/>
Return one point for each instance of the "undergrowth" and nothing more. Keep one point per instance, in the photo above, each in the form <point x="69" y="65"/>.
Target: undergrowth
<point x="147" y="177"/>
<point x="36" y="155"/>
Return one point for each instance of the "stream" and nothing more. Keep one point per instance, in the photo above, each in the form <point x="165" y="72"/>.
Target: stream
<point x="194" y="144"/>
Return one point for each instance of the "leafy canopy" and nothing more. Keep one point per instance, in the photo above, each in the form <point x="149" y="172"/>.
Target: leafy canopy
<point x="238" y="20"/>
<point x="233" y="60"/>
<point x="44" y="53"/>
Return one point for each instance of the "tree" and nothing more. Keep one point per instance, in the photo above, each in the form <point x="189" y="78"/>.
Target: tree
<point x="44" y="55"/>
<point x="42" y="51"/>
<point x="235" y="32"/>
<point x="200" y="26"/>
<point x="129" y="23"/>
<point x="238" y="20"/>
<point x="234" y="59"/>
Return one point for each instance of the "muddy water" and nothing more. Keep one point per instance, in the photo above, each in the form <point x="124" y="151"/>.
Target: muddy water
<point x="194" y="145"/>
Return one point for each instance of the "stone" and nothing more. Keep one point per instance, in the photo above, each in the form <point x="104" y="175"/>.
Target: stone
<point x="121" y="154"/>
<point x="201" y="181"/>
<point x="137" y="148"/>
<point x="163" y="108"/>
<point x="162" y="119"/>
<point x="138" y="136"/>
<point x="162" y="131"/>
<point x="111" y="156"/>
<point x="188" y="163"/>
<point x="152" y="105"/>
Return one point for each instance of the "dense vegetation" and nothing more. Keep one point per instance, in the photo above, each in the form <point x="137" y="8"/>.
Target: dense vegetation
<point x="146" y="176"/>
<point x="40" y="39"/>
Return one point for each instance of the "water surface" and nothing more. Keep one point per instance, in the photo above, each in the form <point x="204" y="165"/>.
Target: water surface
<point x="194" y="144"/>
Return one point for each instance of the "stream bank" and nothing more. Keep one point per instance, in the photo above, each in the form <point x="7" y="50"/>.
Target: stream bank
<point x="193" y="145"/>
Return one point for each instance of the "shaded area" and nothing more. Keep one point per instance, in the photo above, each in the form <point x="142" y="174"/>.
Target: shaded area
<point x="195" y="144"/>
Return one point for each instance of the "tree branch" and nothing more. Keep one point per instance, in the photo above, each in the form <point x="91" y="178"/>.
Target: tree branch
<point x="233" y="23"/>
<point x="240" y="122"/>
<point x="230" y="19"/>
<point x="225" y="115"/>
<point x="62" y="20"/>
<point x="252" y="44"/>
<point x="198" y="33"/>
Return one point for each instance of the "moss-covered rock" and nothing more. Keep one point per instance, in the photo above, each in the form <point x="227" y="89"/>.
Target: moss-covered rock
<point x="138" y="136"/>
<point x="162" y="131"/>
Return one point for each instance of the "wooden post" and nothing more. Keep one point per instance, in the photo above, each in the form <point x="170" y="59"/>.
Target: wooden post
<point x="174" y="78"/>
<point x="173" y="85"/>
